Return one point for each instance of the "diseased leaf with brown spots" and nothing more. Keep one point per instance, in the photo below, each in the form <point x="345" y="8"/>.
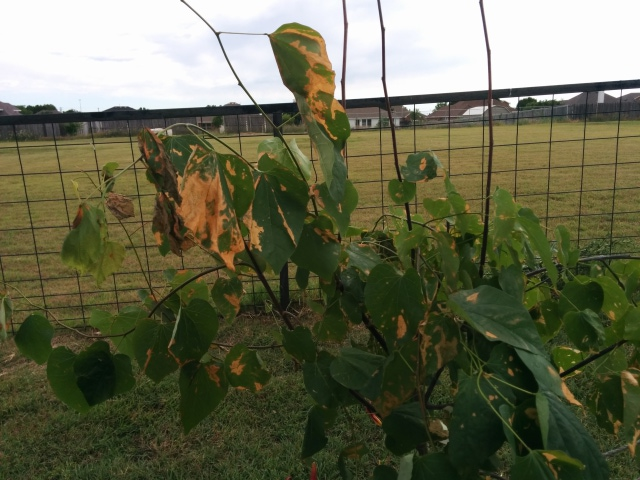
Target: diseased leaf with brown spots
<point x="226" y="294"/>
<point x="421" y="166"/>
<point x="160" y="171"/>
<point x="207" y="207"/>
<point x="168" y="228"/>
<point x="243" y="368"/>
<point x="395" y="302"/>
<point x="304" y="65"/>
<point x="120" y="205"/>
<point x="440" y="341"/>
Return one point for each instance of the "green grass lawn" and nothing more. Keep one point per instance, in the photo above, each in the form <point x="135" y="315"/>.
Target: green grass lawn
<point x="250" y="436"/>
<point x="583" y="175"/>
<point x="138" y="435"/>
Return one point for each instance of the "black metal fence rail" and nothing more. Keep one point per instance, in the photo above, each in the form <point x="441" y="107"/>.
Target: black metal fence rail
<point x="578" y="166"/>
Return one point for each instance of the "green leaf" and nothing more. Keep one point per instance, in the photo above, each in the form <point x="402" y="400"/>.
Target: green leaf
<point x="278" y="212"/>
<point x="566" y="357"/>
<point x="505" y="217"/>
<point x="567" y="256"/>
<point x="340" y="211"/>
<point x="194" y="289"/>
<point x="33" y="339"/>
<point x="550" y="320"/>
<point x="109" y="262"/>
<point x="121" y="324"/>
<point x="398" y="380"/>
<point x="545" y="374"/>
<point x="395" y="302"/>
<point x="632" y="325"/>
<point x="536" y="237"/>
<point x="384" y="472"/>
<point x="432" y="466"/>
<point x="151" y="344"/>
<point x="299" y="343"/>
<point x="86" y="247"/>
<point x="100" y="375"/>
<point x="438" y="209"/>
<point x="318" y="249"/>
<point x="584" y="329"/>
<point x="362" y="257"/>
<point x="498" y="316"/>
<point x="475" y="429"/>
<point x="194" y="332"/>
<point x="315" y="437"/>
<point x="243" y="368"/>
<point x="202" y="387"/>
<point x="581" y="294"/>
<point x="546" y="465"/>
<point x="631" y="394"/>
<point x="226" y="293"/>
<point x="449" y="258"/>
<point x="354" y="368"/>
<point x="563" y="431"/>
<point x="462" y="218"/>
<point x="62" y="378"/>
<point x="401" y="192"/>
<point x="420" y="167"/>
<point x="614" y="303"/>
<point x="275" y="148"/>
<point x="320" y="384"/>
<point x="511" y="281"/>
<point x="406" y="427"/>
<point x="606" y="402"/>
<point x="505" y="363"/>
<point x="333" y="326"/>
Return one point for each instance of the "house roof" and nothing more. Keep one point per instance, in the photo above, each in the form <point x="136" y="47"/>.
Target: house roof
<point x="460" y="108"/>
<point x="119" y="109"/>
<point x="588" y="98"/>
<point x="8" y="109"/>
<point x="631" y="97"/>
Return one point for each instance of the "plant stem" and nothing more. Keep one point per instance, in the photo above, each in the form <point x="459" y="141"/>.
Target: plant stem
<point x="592" y="358"/>
<point x="267" y="287"/>
<point x="487" y="204"/>
<point x="390" y="116"/>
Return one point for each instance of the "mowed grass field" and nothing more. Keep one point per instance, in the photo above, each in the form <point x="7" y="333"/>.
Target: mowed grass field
<point x="592" y="174"/>
<point x="583" y="175"/>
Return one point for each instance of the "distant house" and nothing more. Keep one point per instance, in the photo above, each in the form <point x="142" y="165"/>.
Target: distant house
<point x="590" y="98"/>
<point x="8" y="109"/>
<point x="633" y="97"/>
<point x="372" y="117"/>
<point x="246" y="122"/>
<point x="468" y="110"/>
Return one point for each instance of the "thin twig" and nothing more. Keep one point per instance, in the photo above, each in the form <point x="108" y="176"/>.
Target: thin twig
<point x="592" y="358"/>
<point x="388" y="109"/>
<point x="595" y="258"/>
<point x="487" y="204"/>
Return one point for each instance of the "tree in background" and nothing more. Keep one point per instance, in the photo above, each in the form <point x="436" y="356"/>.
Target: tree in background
<point x="33" y="109"/>
<point x="530" y="102"/>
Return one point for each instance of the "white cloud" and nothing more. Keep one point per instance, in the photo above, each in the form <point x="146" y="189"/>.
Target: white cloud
<point x="158" y="54"/>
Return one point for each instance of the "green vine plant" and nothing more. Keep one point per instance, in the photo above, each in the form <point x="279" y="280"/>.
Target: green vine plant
<point x="499" y="335"/>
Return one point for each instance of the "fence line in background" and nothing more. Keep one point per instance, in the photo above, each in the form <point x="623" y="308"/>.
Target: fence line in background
<point x="576" y="164"/>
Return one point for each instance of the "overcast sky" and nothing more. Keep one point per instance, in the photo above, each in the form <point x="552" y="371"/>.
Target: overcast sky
<point x="92" y="55"/>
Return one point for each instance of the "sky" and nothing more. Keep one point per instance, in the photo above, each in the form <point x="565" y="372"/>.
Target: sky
<point x="92" y="55"/>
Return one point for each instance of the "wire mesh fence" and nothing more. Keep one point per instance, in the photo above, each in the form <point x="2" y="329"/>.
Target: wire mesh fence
<point x="574" y="163"/>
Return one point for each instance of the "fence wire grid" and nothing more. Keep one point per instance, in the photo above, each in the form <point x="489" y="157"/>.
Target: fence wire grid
<point x="574" y="163"/>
